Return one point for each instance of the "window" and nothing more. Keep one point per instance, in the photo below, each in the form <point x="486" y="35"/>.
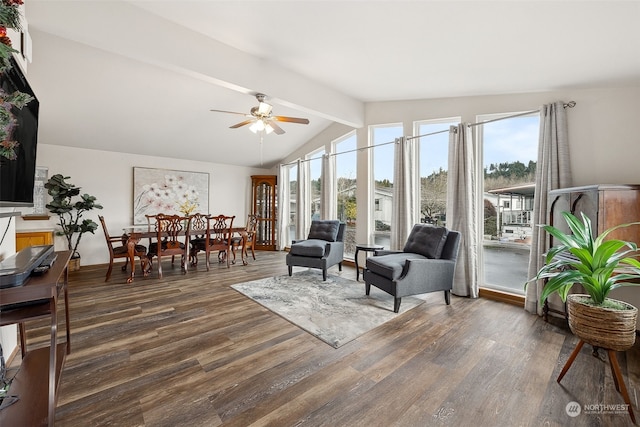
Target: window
<point x="346" y="167"/>
<point x="434" y="164"/>
<point x="315" y="182"/>
<point x="382" y="137"/>
<point x="509" y="150"/>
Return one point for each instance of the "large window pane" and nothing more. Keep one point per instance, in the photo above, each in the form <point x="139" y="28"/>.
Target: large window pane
<point x="383" y="155"/>
<point x="315" y="180"/>
<point x="346" y="166"/>
<point x="509" y="148"/>
<point x="434" y="163"/>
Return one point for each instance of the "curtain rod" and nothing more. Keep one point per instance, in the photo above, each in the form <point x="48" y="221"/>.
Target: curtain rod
<point x="569" y="104"/>
<point x="365" y="148"/>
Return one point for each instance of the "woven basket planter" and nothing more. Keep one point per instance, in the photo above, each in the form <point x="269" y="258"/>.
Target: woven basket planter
<point x="602" y="327"/>
<point x="74" y="264"/>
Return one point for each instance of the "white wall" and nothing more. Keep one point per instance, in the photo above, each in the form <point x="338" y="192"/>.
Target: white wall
<point x="109" y="177"/>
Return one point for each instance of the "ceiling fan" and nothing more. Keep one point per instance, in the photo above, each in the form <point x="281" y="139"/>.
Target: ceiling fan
<point x="261" y="119"/>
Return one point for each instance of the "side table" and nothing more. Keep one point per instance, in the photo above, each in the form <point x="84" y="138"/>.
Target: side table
<point x="366" y="248"/>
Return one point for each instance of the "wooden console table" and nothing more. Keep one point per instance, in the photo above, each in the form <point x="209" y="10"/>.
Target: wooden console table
<point x="37" y="298"/>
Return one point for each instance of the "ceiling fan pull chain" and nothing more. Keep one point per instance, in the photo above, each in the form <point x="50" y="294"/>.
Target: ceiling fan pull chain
<point x="261" y="140"/>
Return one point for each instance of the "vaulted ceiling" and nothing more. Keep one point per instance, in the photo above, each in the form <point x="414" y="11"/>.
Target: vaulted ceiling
<point x="141" y="76"/>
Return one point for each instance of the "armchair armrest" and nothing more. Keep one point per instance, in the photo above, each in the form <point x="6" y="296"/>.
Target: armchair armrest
<point x="439" y="271"/>
<point x="385" y="252"/>
<point x="334" y="252"/>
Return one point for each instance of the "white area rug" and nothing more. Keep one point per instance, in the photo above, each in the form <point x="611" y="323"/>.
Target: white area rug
<point x="336" y="311"/>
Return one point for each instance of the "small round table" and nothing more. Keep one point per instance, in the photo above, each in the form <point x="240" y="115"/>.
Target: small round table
<point x="367" y="248"/>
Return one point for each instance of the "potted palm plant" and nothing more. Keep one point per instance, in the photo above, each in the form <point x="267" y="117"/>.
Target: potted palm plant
<point x="70" y="212"/>
<point x="600" y="266"/>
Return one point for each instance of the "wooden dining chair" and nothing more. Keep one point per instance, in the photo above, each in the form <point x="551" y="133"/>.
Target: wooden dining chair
<point x="197" y="233"/>
<point x="216" y="238"/>
<point x="172" y="239"/>
<point x="118" y="249"/>
<point x="246" y="239"/>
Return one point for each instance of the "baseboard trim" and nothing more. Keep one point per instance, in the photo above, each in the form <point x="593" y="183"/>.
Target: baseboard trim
<point x="505" y="297"/>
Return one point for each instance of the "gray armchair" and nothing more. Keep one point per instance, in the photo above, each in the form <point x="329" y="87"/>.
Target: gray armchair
<point x="426" y="264"/>
<point x="322" y="249"/>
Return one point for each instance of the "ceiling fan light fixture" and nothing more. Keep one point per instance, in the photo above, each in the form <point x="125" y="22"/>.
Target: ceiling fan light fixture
<point x="257" y="126"/>
<point x="260" y="119"/>
<point x="264" y="109"/>
<point x="268" y="129"/>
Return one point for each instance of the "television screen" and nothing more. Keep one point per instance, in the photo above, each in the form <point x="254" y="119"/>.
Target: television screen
<point x="19" y="134"/>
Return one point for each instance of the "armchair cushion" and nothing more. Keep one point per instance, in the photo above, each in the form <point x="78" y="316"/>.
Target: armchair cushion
<point x="391" y="266"/>
<point x="426" y="240"/>
<point x="311" y="248"/>
<point x="324" y="230"/>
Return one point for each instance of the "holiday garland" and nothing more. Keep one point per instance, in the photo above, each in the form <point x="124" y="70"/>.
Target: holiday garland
<point x="9" y="18"/>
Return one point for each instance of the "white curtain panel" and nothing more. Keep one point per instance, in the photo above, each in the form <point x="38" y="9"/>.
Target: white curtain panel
<point x="283" y="238"/>
<point x="404" y="211"/>
<point x="462" y="212"/>
<point x="302" y="202"/>
<point x="328" y="209"/>
<point x="553" y="171"/>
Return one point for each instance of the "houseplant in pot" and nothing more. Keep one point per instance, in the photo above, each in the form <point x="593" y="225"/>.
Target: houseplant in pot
<point x="600" y="266"/>
<point x="70" y="209"/>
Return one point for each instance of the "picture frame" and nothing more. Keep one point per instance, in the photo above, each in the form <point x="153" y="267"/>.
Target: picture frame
<point x="168" y="191"/>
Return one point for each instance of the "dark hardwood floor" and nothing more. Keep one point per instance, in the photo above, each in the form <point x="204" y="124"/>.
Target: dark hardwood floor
<point x="188" y="350"/>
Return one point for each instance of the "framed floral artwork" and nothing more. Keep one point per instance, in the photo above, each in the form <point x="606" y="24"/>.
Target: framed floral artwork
<point x="169" y="192"/>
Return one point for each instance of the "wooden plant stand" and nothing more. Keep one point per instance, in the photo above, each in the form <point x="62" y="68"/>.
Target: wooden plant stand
<point x="615" y="371"/>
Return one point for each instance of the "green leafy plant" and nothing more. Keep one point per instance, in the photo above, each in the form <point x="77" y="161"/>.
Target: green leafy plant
<point x="9" y="18"/>
<point x="599" y="265"/>
<point x="69" y="211"/>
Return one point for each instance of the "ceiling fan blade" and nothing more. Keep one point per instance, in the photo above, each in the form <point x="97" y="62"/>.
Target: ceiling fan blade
<point x="277" y="129"/>
<point x="230" y="112"/>
<point x="246" y="122"/>
<point x="291" y="120"/>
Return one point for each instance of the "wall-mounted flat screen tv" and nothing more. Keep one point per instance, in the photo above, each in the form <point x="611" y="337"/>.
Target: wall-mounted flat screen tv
<point x="17" y="169"/>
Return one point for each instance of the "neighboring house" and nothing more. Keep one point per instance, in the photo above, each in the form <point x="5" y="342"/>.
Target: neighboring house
<point x="515" y="211"/>
<point x="382" y="199"/>
<point x="382" y="205"/>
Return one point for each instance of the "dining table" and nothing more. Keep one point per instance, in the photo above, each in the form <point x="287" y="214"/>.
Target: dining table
<point x="134" y="233"/>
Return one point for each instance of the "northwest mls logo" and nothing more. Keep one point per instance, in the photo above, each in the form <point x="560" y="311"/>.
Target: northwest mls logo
<point x="573" y="409"/>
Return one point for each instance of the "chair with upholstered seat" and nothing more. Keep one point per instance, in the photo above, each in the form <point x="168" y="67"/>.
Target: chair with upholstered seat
<point x="172" y="239"/>
<point x="323" y="248"/>
<point x="118" y="249"/>
<point x="426" y="264"/>
<point x="211" y="234"/>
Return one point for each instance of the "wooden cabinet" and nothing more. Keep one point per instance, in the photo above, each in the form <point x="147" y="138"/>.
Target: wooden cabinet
<point x="264" y="195"/>
<point x="605" y="205"/>
<point x="33" y="238"/>
<point x="37" y="381"/>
